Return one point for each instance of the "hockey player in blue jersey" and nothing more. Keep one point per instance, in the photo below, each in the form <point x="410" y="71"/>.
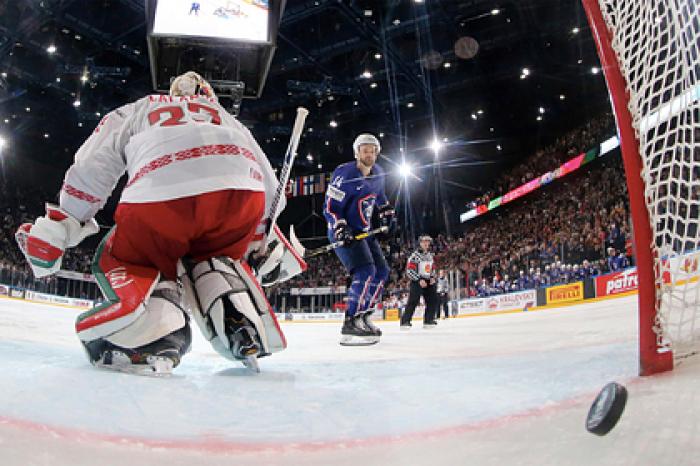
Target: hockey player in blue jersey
<point x="355" y="190"/>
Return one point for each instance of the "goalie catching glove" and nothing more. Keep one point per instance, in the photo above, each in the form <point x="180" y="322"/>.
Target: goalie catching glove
<point x="44" y="242"/>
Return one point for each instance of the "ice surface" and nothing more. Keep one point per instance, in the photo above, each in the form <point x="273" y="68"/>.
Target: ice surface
<point x="502" y="390"/>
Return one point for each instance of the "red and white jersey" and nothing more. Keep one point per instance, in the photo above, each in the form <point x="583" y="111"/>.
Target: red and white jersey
<point x="171" y="147"/>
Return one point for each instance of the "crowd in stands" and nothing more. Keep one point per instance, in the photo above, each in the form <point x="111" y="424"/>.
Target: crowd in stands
<point x="550" y="157"/>
<point x="575" y="227"/>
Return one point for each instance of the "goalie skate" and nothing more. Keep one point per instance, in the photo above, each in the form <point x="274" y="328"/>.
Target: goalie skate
<point x="354" y="333"/>
<point x="156" y="365"/>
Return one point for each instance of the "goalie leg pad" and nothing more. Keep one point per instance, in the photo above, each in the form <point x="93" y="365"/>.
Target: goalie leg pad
<point x="230" y="308"/>
<point x="141" y="316"/>
<point x="126" y="288"/>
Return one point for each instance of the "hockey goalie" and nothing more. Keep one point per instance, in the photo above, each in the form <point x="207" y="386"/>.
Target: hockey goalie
<point x="193" y="211"/>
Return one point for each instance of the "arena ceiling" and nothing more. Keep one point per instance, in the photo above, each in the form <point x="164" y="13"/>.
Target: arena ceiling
<point x="403" y="69"/>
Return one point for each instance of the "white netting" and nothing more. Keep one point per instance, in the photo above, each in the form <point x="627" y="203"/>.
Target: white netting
<point x="658" y="50"/>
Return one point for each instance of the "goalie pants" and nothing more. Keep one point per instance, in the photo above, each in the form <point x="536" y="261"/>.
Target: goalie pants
<point x="430" y="297"/>
<point x="157" y="234"/>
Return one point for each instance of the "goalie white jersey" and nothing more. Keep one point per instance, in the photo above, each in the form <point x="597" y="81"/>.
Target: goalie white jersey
<point x="171" y="147"/>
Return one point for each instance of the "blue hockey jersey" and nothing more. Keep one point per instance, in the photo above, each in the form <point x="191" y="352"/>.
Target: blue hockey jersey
<point x="352" y="197"/>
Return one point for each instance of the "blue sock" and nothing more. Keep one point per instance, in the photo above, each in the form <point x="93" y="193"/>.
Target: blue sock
<point x="359" y="289"/>
<point x="376" y="287"/>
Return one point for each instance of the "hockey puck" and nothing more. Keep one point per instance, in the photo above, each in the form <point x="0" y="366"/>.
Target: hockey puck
<point x="606" y="409"/>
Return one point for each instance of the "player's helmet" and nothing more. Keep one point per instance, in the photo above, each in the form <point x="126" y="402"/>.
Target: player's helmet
<point x="365" y="138"/>
<point x="191" y="83"/>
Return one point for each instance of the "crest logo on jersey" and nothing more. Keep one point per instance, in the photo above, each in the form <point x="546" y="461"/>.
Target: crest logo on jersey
<point x="365" y="207"/>
<point x="337" y="181"/>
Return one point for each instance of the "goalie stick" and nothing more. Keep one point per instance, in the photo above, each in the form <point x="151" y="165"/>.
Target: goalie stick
<point x="286" y="170"/>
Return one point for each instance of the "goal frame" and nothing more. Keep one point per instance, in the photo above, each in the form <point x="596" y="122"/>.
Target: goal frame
<point x="652" y="358"/>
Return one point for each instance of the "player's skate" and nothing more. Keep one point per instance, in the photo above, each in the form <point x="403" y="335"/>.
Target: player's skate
<point x="369" y="325"/>
<point x="354" y="333"/>
<point x="245" y="342"/>
<point x="154" y="359"/>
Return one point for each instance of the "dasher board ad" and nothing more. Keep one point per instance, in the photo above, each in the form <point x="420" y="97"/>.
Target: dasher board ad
<point x="232" y="19"/>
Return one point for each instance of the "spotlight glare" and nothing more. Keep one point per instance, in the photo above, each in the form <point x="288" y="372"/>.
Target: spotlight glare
<point x="51" y="49"/>
<point x="595" y="70"/>
<point x="575" y="30"/>
<point x="405" y="169"/>
<point x="76" y="103"/>
<point x="2" y="143"/>
<point x="495" y="11"/>
<point x="436" y="145"/>
<point x="366" y="74"/>
<point x="333" y="124"/>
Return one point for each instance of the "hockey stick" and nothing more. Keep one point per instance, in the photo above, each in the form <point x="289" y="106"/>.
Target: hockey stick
<point x="337" y="244"/>
<point x="286" y="170"/>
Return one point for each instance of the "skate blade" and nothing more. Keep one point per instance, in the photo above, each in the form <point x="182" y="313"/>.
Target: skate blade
<point x="353" y="340"/>
<point x="157" y="366"/>
<point x="251" y="363"/>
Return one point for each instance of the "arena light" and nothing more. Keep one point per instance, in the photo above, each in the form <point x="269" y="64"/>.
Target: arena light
<point x="447" y="64"/>
<point x="378" y="56"/>
<point x="436" y="145"/>
<point x="373" y="85"/>
<point x="2" y="143"/>
<point x="495" y="11"/>
<point x="405" y="170"/>
<point x="76" y="103"/>
<point x="51" y="49"/>
<point x="595" y="70"/>
<point x="333" y="124"/>
<point x="575" y="30"/>
<point x="562" y="97"/>
<point x="526" y="71"/>
<point x="366" y="74"/>
<point x="84" y="78"/>
<point x="309" y="157"/>
<point x="409" y="105"/>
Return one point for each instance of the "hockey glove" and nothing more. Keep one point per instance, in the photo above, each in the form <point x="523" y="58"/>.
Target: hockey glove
<point x="44" y="242"/>
<point x="387" y="218"/>
<point x="342" y="233"/>
<point x="283" y="259"/>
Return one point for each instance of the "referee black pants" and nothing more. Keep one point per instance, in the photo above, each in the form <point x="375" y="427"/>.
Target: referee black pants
<point x="430" y="297"/>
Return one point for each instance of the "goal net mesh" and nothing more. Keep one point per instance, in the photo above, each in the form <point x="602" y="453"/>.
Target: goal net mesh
<point x="657" y="44"/>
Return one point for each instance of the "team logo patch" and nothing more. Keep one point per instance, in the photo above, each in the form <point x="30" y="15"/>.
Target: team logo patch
<point x="335" y="193"/>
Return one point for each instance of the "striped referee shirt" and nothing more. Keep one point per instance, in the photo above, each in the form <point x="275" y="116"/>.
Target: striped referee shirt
<point x="420" y="266"/>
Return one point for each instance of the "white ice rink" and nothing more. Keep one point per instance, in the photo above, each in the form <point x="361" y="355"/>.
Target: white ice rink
<point x="496" y="390"/>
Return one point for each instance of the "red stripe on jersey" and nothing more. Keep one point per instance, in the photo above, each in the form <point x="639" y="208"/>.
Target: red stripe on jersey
<point x="195" y="152"/>
<point x="82" y="195"/>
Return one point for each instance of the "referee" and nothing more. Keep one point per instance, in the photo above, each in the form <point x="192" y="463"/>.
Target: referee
<point x="421" y="272"/>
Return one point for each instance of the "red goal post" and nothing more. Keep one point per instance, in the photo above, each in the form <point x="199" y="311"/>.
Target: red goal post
<point x="647" y="51"/>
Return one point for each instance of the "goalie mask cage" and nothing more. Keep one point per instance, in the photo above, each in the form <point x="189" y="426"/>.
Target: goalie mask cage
<point x="649" y="51"/>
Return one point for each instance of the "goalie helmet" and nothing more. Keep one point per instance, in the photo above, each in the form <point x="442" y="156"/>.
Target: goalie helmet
<point x="191" y="83"/>
<point x="365" y="138"/>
